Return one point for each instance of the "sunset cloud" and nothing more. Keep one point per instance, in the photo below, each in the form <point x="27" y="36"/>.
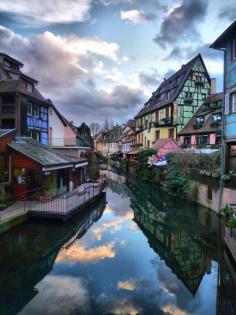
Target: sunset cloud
<point x="43" y="11"/>
<point x="71" y="71"/>
<point x="78" y="253"/>
<point x="136" y="16"/>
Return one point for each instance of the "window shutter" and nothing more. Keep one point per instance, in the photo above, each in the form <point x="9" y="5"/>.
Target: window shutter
<point x="234" y="103"/>
<point x="226" y="104"/>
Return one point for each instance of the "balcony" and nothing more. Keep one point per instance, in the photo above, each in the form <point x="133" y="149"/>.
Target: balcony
<point x="69" y="143"/>
<point x="140" y="128"/>
<point x="7" y="110"/>
<point x="165" y="122"/>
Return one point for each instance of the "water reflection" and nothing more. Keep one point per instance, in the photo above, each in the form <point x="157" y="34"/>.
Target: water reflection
<point x="29" y="252"/>
<point x="142" y="254"/>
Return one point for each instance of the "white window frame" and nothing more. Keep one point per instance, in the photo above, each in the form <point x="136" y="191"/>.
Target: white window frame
<point x="234" y="102"/>
<point x="36" y="106"/>
<point x="31" y="108"/>
<point x="226" y="103"/>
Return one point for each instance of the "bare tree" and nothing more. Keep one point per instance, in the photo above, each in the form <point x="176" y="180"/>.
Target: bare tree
<point x="94" y="127"/>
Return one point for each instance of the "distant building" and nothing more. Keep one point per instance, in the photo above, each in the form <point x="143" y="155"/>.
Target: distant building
<point x="107" y="142"/>
<point x="63" y="135"/>
<point x="205" y="127"/>
<point x="27" y="165"/>
<point x="227" y="43"/>
<point x="165" y="146"/>
<point x="22" y="107"/>
<point x="127" y="137"/>
<point x="6" y="136"/>
<point x="173" y="104"/>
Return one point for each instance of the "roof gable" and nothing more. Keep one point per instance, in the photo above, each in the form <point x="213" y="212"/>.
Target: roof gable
<point x="173" y="85"/>
<point x="37" y="152"/>
<point x="219" y="43"/>
<point x="207" y="126"/>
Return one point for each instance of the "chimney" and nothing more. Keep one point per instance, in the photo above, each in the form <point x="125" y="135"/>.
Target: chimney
<point x="213" y="85"/>
<point x="71" y="122"/>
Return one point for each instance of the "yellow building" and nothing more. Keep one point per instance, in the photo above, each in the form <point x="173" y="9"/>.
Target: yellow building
<point x="173" y="104"/>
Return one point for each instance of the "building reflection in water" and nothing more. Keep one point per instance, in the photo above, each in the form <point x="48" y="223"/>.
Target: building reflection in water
<point x="187" y="238"/>
<point x="27" y="260"/>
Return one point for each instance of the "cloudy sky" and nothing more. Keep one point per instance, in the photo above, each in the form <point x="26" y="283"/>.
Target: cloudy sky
<point x="103" y="58"/>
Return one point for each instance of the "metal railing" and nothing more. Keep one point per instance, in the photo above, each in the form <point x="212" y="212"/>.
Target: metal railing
<point x="66" y="202"/>
<point x="16" y="203"/>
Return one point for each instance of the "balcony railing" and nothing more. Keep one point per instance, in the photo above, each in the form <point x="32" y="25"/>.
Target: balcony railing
<point x="69" y="142"/>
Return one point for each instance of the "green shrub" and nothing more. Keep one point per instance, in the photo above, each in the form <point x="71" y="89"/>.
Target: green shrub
<point x="93" y="167"/>
<point x="176" y="185"/>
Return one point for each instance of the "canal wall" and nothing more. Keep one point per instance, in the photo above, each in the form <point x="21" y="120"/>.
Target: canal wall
<point x="10" y="223"/>
<point x="209" y="196"/>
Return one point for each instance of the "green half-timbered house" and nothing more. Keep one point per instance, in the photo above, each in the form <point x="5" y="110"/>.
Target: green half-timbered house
<point x="173" y="104"/>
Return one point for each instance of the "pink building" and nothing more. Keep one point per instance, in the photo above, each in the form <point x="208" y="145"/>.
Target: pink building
<point x="164" y="146"/>
<point x="204" y="128"/>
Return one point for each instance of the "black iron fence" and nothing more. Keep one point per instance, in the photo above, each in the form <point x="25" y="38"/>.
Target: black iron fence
<point x="65" y="202"/>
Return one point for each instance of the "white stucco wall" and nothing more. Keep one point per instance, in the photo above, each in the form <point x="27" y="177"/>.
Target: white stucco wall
<point x="56" y="129"/>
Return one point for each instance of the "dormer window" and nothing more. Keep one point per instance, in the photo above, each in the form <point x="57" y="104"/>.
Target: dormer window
<point x="200" y="120"/>
<point x="216" y="118"/>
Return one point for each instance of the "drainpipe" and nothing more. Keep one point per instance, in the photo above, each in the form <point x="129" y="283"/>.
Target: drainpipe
<point x="223" y="145"/>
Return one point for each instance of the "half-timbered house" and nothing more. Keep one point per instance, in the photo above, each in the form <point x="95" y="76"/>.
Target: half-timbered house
<point x="173" y="104"/>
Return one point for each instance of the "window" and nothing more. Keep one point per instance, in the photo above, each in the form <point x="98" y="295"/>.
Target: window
<point x="148" y="143"/>
<point x="8" y="123"/>
<point x="29" y="88"/>
<point x="209" y="193"/>
<point x="29" y="109"/>
<point x="203" y="96"/>
<point x="187" y="140"/>
<point x="8" y="110"/>
<point x="35" y="111"/>
<point x="8" y="99"/>
<point x="188" y="95"/>
<point x="216" y="117"/>
<point x="232" y="157"/>
<point x="167" y="112"/>
<point x="233" y="102"/>
<point x="157" y="134"/>
<point x="218" y="139"/>
<point x="200" y="120"/>
<point x="171" y="133"/>
<point x="3" y="168"/>
<point x="157" y="116"/>
<point x="226" y="104"/>
<point x="35" y="135"/>
<point x="204" y="139"/>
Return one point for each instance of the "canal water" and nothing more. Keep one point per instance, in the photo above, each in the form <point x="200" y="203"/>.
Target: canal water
<point x="135" y="251"/>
